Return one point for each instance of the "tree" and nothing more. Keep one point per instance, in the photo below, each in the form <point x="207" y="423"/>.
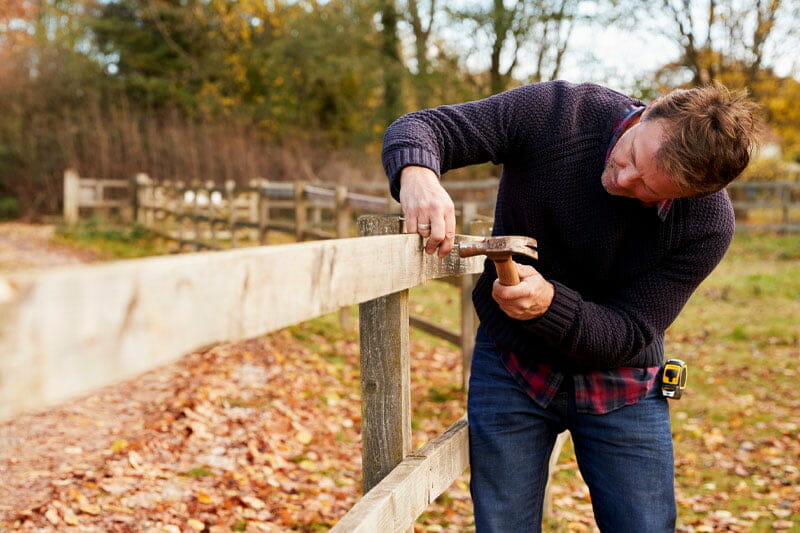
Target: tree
<point x="736" y="39"/>
<point x="392" y="64"/>
<point x="540" y="28"/>
<point x="421" y="19"/>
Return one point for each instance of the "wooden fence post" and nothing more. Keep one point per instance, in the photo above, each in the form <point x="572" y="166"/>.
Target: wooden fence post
<point x="72" y="187"/>
<point x="253" y="215"/>
<point x="385" y="373"/>
<point x="343" y="213"/>
<point x="230" y="189"/>
<point x="300" y="210"/>
<point x="142" y="198"/>
<point x="196" y="190"/>
<point x="344" y="218"/>
<point x="263" y="211"/>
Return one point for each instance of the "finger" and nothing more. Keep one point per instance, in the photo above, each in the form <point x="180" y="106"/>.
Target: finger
<point x="509" y="293"/>
<point x="503" y="294"/>
<point x="423" y="228"/>
<point x="449" y="234"/>
<point x="410" y="219"/>
<point x="525" y="271"/>
<point x="436" y="234"/>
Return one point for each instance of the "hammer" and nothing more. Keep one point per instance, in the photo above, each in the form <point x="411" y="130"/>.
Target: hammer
<point x="500" y="250"/>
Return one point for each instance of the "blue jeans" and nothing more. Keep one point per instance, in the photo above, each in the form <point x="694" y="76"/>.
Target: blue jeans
<point x="624" y="456"/>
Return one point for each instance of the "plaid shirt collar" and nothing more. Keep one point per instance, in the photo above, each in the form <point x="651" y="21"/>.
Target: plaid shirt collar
<point x="631" y="115"/>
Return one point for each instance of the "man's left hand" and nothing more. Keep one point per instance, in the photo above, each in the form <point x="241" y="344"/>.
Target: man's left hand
<point x="530" y="299"/>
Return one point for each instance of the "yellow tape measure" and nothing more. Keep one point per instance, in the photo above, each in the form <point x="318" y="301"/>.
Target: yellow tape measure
<point x="673" y="379"/>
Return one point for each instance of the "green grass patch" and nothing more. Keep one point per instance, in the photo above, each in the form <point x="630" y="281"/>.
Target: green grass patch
<point x="108" y="240"/>
<point x="198" y="471"/>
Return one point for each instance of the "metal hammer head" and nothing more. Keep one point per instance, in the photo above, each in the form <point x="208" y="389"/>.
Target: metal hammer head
<point x="500" y="248"/>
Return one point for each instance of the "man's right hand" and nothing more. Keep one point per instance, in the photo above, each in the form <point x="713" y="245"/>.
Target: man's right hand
<point x="425" y="202"/>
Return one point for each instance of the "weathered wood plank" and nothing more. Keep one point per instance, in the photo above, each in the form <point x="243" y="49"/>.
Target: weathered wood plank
<point x="385" y="385"/>
<point x="395" y="503"/>
<point x="435" y="329"/>
<point x="66" y="331"/>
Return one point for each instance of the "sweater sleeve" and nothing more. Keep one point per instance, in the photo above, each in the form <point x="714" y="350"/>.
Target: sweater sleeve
<point x="454" y="136"/>
<point x="610" y="332"/>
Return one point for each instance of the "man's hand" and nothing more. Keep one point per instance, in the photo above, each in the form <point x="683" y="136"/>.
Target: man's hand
<point x="530" y="299"/>
<point x="428" y="209"/>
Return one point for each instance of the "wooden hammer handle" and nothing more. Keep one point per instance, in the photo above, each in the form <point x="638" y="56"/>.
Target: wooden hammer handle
<point x="507" y="271"/>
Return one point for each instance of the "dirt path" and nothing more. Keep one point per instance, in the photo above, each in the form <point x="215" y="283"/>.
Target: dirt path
<point x="27" y="246"/>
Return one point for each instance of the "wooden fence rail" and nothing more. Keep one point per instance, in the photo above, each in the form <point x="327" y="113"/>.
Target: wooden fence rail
<point x="766" y="206"/>
<point x="760" y="206"/>
<point x="67" y="331"/>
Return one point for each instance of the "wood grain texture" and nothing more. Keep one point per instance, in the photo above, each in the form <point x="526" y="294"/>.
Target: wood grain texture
<point x="64" y="332"/>
<point x="394" y="504"/>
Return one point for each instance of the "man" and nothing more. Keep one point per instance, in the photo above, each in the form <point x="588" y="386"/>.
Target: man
<point x="626" y="203"/>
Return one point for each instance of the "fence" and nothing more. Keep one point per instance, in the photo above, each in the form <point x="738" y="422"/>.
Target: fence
<point x="94" y="194"/>
<point x="766" y="206"/>
<point x="66" y="331"/>
<point x="211" y="217"/>
<point x="183" y="213"/>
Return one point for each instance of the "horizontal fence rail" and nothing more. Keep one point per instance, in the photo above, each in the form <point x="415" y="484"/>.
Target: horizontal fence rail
<point x="202" y="215"/>
<point x="66" y="331"/>
<point x="766" y="206"/>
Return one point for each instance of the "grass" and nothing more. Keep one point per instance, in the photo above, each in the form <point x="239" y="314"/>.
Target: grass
<point x="109" y="240"/>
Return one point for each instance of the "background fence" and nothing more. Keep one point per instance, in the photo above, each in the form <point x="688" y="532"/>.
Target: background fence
<point x="212" y="216"/>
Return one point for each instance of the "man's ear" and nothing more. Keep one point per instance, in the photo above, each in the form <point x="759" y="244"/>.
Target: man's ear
<point x="648" y="108"/>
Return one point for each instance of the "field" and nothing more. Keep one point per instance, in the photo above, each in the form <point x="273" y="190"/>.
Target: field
<point x="264" y="435"/>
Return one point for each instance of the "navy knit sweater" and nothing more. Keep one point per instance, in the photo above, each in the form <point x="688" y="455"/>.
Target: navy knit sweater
<point x="621" y="273"/>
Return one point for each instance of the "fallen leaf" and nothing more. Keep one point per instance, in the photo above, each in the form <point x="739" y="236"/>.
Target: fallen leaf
<point x="119" y="445"/>
<point x="90" y="509"/>
<point x="304" y="437"/>
<point x="195" y="524"/>
<point x="52" y="516"/>
<point x="253" y="502"/>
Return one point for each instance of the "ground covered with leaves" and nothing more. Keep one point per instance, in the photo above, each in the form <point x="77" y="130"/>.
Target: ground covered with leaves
<point x="265" y="435"/>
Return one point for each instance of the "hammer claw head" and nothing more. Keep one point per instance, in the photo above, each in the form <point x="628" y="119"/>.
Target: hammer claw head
<point x="500" y="247"/>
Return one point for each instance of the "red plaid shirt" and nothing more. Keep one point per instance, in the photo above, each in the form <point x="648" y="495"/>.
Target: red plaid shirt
<point x="599" y="391"/>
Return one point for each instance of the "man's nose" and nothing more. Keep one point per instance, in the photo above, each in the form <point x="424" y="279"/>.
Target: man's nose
<point x="627" y="176"/>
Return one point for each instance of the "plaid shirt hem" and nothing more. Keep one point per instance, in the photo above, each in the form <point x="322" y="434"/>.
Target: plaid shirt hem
<point x="597" y="392"/>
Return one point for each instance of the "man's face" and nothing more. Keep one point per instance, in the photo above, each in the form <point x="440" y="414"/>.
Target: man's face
<point x="631" y="170"/>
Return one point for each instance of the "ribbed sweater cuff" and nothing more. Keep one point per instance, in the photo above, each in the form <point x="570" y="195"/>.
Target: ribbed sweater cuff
<point x="559" y="317"/>
<point x="394" y="162"/>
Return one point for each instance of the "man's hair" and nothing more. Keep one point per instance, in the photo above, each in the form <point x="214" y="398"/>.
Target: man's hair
<point x="710" y="135"/>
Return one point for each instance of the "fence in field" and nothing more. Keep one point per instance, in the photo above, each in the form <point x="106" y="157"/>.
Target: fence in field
<point x="766" y="206"/>
<point x="208" y="216"/>
<point x="66" y="331"/>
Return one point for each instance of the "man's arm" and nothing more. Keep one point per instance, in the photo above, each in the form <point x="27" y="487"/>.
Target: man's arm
<point x="610" y="332"/>
<point x="420" y="146"/>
